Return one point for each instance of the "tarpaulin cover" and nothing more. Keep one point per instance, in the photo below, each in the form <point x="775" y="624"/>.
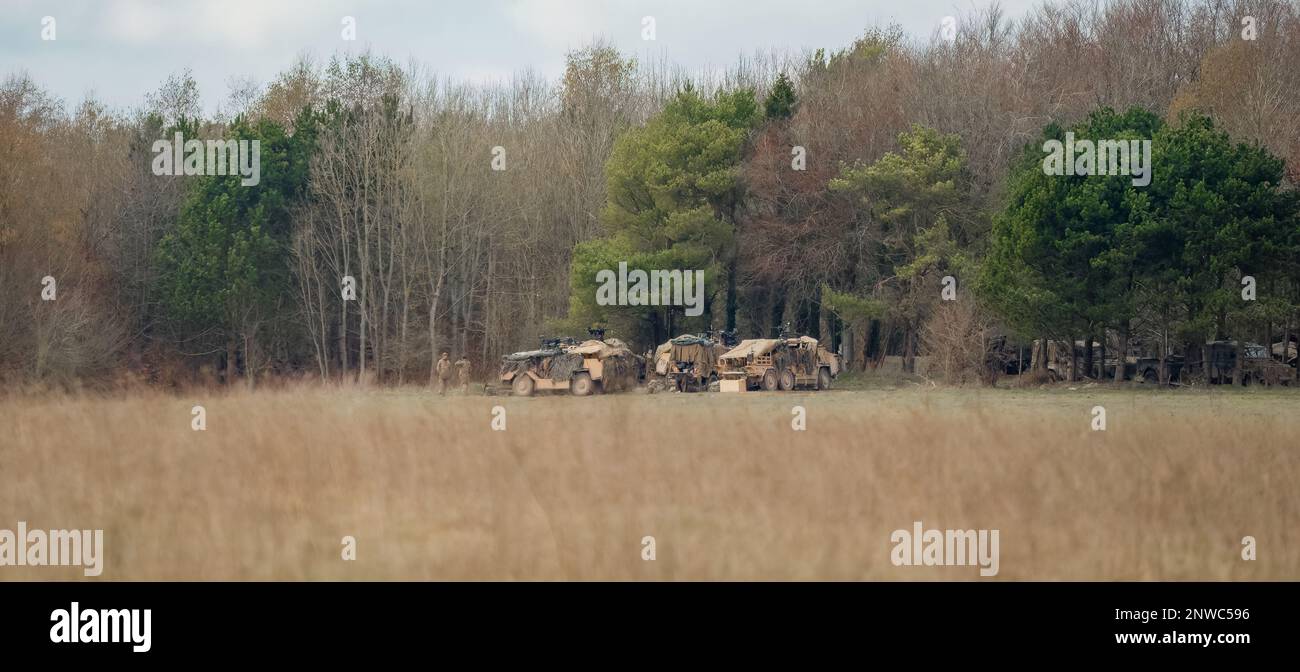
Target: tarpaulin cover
<point x="752" y="346"/>
<point x="702" y="355"/>
<point x="663" y="354"/>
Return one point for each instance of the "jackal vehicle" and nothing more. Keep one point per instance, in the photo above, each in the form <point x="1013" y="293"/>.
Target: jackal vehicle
<point x="589" y="367"/>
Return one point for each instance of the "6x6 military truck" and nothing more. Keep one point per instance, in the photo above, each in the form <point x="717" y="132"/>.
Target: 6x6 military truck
<point x="564" y="364"/>
<point x="777" y="364"/>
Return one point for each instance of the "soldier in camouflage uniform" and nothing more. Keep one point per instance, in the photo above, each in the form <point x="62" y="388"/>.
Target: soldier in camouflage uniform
<point x="462" y="374"/>
<point x="443" y="369"/>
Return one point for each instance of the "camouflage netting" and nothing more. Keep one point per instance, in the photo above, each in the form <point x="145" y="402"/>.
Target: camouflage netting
<point x="620" y="365"/>
<point x="512" y="366"/>
<point x="691" y="339"/>
<point x="620" y="370"/>
<point x="540" y="361"/>
<point x="520" y="361"/>
<point x="561" y="367"/>
<point x="780" y="359"/>
<point x="803" y="361"/>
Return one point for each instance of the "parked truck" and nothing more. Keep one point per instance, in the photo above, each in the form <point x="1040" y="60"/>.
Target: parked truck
<point x="777" y="364"/>
<point x="691" y="361"/>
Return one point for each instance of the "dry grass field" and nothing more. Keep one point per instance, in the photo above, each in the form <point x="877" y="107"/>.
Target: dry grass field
<point x="726" y="487"/>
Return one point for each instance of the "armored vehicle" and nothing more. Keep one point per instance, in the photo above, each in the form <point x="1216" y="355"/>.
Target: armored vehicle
<point x="777" y="363"/>
<point x="564" y="364"/>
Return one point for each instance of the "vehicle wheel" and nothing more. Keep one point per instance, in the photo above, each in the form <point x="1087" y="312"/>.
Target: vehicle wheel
<point x="1053" y="376"/>
<point x="1150" y="377"/>
<point x="769" y="380"/>
<point x="522" y="385"/>
<point x="787" y="380"/>
<point x="582" y="385"/>
<point x="823" y="379"/>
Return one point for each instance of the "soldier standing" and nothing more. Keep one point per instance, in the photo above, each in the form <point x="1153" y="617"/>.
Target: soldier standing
<point x="462" y="373"/>
<point x="444" y="373"/>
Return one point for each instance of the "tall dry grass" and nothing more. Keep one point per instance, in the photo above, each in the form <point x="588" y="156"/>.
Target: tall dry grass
<point x="725" y="486"/>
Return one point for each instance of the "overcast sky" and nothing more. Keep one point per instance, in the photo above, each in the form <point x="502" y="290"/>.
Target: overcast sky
<point x="121" y="49"/>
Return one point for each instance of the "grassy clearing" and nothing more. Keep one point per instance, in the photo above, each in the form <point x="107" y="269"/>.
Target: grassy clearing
<point x="725" y="486"/>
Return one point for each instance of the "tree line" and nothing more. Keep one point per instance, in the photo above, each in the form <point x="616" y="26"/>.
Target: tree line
<point x="832" y="190"/>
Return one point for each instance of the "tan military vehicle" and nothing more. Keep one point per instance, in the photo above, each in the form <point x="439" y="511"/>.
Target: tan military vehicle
<point x="691" y="362"/>
<point x="582" y="369"/>
<point x="1258" y="367"/>
<point x="777" y="364"/>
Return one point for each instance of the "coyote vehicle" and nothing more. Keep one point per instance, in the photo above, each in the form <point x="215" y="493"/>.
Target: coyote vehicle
<point x="1257" y="366"/>
<point x="691" y="362"/>
<point x="777" y="363"/>
<point x="564" y="364"/>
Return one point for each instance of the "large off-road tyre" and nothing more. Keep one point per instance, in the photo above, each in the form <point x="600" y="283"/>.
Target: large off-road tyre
<point x="522" y="385"/>
<point x="582" y="385"/>
<point x="787" y="380"/>
<point x="770" y="381"/>
<point x="823" y="378"/>
<point x="1150" y="377"/>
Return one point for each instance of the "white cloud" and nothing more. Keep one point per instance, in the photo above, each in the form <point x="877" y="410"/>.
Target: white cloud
<point x="562" y="26"/>
<point x="124" y="48"/>
<point x="240" y="24"/>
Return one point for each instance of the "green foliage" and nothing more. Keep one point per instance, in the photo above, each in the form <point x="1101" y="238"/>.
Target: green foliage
<point x="781" y="101"/>
<point x="1063" y="255"/>
<point x="225" y="261"/>
<point x="853" y="309"/>
<point x="672" y="188"/>
<point x="909" y="197"/>
<point x="1071" y="253"/>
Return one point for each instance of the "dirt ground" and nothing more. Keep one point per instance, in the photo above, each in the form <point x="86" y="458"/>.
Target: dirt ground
<point x="722" y="482"/>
